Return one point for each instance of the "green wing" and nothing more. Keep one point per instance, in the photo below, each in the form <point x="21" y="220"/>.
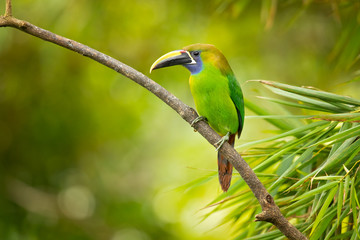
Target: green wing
<point x="238" y="99"/>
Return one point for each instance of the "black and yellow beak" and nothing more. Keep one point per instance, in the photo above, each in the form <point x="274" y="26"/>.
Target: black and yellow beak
<point x="177" y="57"/>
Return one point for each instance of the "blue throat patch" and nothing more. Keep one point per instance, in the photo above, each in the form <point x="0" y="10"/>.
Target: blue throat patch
<point x="195" y="68"/>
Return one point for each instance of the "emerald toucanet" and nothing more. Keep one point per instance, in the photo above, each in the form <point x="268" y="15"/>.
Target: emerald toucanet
<point x="217" y="95"/>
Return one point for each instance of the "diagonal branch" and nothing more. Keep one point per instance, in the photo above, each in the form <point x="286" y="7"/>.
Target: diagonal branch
<point x="270" y="211"/>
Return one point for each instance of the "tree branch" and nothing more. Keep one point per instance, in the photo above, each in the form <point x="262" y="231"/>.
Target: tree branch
<point x="270" y="211"/>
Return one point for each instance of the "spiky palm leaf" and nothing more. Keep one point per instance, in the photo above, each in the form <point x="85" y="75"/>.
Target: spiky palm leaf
<point x="311" y="170"/>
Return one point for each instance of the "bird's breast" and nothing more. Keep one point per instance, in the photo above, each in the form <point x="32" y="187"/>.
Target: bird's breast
<point x="212" y="99"/>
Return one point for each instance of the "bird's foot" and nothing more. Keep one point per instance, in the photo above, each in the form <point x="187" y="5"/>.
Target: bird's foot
<point x="198" y="119"/>
<point x="221" y="141"/>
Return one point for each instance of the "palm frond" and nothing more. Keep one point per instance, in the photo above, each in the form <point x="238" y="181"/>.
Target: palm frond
<point x="310" y="169"/>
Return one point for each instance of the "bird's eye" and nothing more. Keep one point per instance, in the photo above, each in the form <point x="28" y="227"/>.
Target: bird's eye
<point x="196" y="53"/>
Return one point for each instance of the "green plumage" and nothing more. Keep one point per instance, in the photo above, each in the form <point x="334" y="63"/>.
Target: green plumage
<point x="216" y="92"/>
<point x="211" y="93"/>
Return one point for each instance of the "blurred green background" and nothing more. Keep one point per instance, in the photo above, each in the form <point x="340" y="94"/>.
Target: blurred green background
<point x="87" y="154"/>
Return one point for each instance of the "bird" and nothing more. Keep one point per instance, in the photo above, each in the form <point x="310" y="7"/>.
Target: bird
<point x="217" y="95"/>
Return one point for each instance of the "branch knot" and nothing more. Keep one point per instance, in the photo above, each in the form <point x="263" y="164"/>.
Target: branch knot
<point x="269" y="199"/>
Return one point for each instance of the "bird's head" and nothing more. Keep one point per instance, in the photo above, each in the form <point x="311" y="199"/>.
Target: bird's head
<point x="193" y="57"/>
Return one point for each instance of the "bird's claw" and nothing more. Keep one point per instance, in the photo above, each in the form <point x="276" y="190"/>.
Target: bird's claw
<point x="198" y="119"/>
<point x="222" y="141"/>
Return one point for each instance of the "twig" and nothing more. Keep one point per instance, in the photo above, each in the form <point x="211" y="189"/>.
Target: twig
<point x="8" y="8"/>
<point x="270" y="211"/>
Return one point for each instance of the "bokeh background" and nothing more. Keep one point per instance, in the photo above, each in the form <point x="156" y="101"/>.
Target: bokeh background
<point x="87" y="154"/>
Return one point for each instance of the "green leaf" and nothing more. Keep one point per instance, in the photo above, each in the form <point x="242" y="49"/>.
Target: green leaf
<point x="346" y="187"/>
<point x="353" y="201"/>
<point x="325" y="96"/>
<point x="323" y="226"/>
<point x="326" y="178"/>
<point x="307" y="154"/>
<point x="336" y="223"/>
<point x="318" y="203"/>
<point x="299" y="130"/>
<point x="197" y="182"/>
<point x="342" y="152"/>
<point x="340" y="203"/>
<point x="341" y="136"/>
<point x="291" y="146"/>
<point x="295" y="204"/>
<point x="344" y="127"/>
<point x="354" y="153"/>
<point x="266" y="236"/>
<point x="343" y="236"/>
<point x="293" y="104"/>
<point x="279" y="123"/>
<point x="310" y="102"/>
<point x="301" y="181"/>
<point x="302" y="207"/>
<point x="324" y="208"/>
<point x="341" y="117"/>
<point x="317" y="190"/>
<point x="280" y="116"/>
<point x="273" y="158"/>
<point x="348" y="147"/>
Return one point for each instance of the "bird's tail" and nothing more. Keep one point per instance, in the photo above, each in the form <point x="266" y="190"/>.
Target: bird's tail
<point x="225" y="167"/>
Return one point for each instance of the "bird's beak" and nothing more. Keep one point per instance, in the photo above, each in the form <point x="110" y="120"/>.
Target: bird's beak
<point x="176" y="57"/>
